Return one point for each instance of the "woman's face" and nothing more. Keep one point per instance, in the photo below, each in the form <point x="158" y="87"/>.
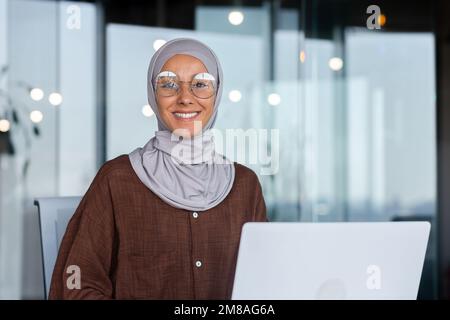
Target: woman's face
<point x="182" y="110"/>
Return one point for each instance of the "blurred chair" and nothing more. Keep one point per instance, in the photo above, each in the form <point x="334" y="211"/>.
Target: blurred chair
<point x="54" y="215"/>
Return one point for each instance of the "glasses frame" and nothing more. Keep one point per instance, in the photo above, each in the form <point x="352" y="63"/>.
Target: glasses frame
<point x="155" y="82"/>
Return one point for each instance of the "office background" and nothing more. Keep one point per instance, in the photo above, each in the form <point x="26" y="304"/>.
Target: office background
<point x="361" y="113"/>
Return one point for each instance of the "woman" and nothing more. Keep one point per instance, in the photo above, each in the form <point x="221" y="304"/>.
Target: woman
<point x="164" y="222"/>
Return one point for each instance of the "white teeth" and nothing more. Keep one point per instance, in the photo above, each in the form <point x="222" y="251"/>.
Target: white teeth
<point x="186" y="115"/>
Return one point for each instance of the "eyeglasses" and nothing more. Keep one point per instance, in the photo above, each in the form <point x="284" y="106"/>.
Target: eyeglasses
<point x="202" y="85"/>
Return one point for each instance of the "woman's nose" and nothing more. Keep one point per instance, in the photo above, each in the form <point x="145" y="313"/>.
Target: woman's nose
<point x="185" y="95"/>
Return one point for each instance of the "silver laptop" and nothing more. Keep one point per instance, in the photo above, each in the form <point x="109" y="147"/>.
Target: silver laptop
<point x="374" y="260"/>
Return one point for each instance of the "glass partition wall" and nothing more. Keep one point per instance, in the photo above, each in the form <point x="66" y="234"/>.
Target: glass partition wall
<point x="369" y="127"/>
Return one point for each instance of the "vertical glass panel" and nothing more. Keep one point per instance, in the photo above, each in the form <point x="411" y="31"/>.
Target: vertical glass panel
<point x="369" y="100"/>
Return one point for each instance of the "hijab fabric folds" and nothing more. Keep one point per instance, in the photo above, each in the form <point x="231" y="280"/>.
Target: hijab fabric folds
<point x="187" y="174"/>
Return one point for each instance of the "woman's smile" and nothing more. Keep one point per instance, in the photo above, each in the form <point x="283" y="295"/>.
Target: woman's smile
<point x="187" y="116"/>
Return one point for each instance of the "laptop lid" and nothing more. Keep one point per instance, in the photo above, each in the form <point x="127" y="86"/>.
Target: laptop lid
<point x="372" y="260"/>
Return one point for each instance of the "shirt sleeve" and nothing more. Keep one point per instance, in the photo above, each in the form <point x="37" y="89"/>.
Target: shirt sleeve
<point x="85" y="259"/>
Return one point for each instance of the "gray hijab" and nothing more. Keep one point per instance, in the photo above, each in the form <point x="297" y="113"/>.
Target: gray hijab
<point x="186" y="174"/>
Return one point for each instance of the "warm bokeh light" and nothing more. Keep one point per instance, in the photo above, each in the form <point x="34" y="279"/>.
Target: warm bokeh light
<point x="382" y="19"/>
<point x="335" y="63"/>
<point x="55" y="99"/>
<point x="4" y="125"/>
<point x="36" y="94"/>
<point x="235" y="96"/>
<point x="36" y="116"/>
<point x="158" y="44"/>
<point x="236" y="17"/>
<point x="147" y="111"/>
<point x="302" y="56"/>
<point x="274" y="99"/>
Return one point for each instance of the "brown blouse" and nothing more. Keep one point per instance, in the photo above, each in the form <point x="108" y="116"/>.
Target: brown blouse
<point x="129" y="244"/>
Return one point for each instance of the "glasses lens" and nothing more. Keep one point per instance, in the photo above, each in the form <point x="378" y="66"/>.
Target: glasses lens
<point x="166" y="84"/>
<point x="203" y="85"/>
<point x="203" y="88"/>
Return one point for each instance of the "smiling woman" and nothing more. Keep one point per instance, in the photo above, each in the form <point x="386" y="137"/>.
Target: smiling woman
<point x="200" y="186"/>
<point x="158" y="223"/>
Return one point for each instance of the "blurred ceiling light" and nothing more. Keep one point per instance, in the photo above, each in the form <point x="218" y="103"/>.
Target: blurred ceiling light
<point x="236" y="17"/>
<point x="274" y="99"/>
<point x="147" y="111"/>
<point x="302" y="56"/>
<point x="36" y="116"/>
<point x="382" y="19"/>
<point x="235" y="96"/>
<point x="55" y="98"/>
<point x="4" y="125"/>
<point x="36" y="94"/>
<point x="158" y="44"/>
<point x="335" y="63"/>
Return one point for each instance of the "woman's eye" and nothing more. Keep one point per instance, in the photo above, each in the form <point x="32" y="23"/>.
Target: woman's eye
<point x="169" y="85"/>
<point x="200" y="85"/>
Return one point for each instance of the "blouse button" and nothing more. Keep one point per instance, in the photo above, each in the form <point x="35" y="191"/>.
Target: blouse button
<point x="195" y="215"/>
<point x="198" y="263"/>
